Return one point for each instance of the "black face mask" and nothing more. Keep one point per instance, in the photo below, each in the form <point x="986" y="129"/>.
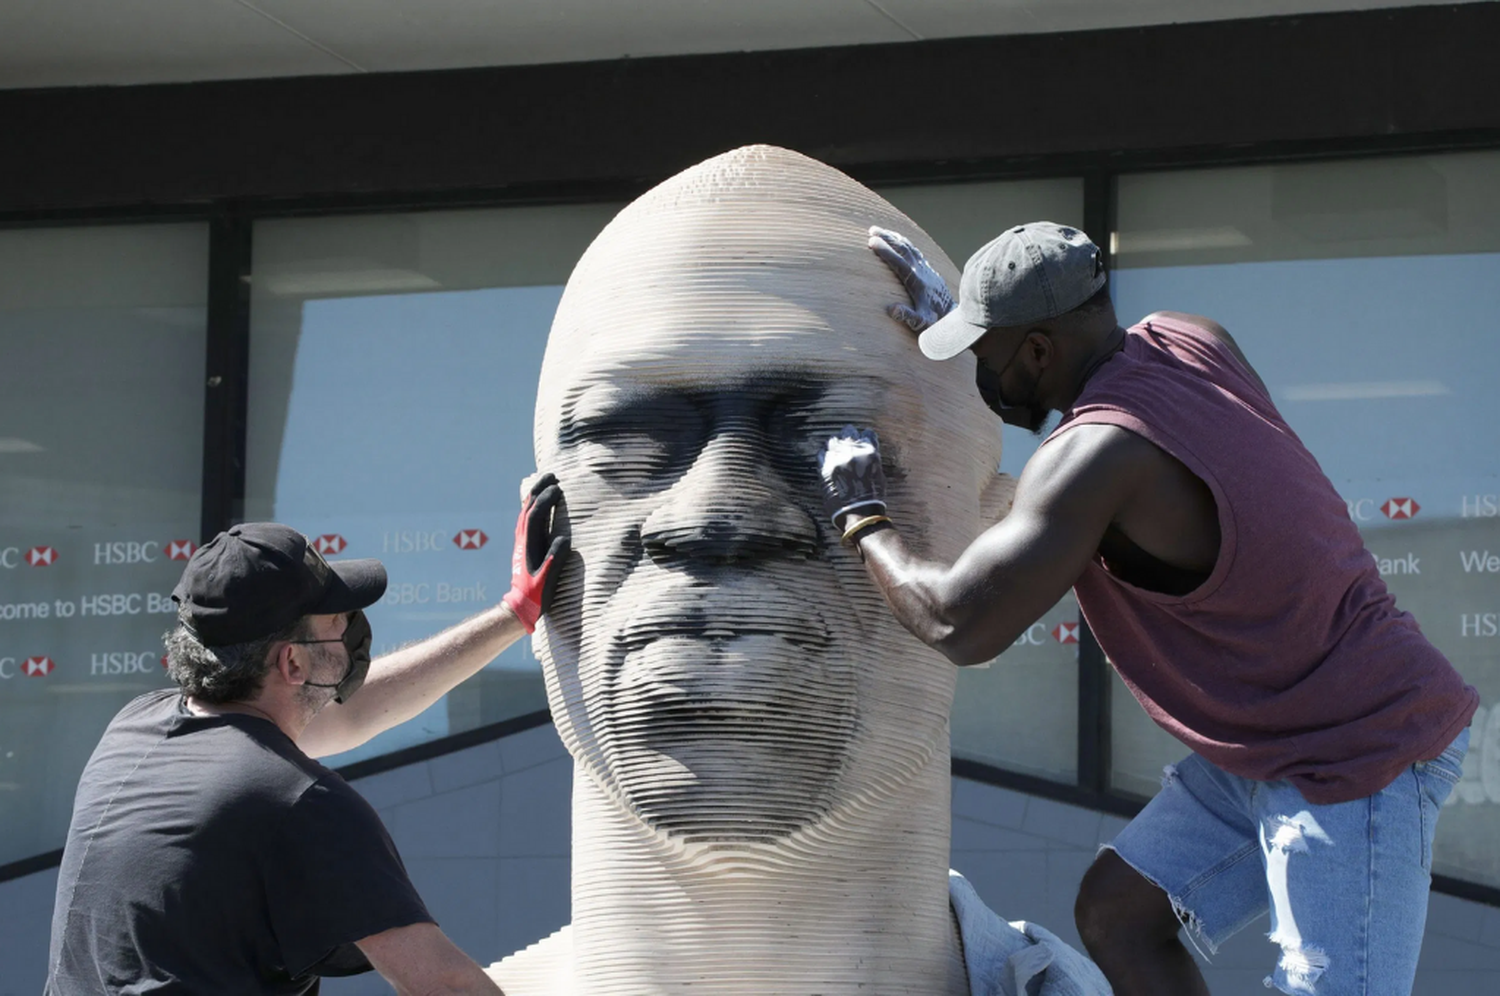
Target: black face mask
<point x="356" y="641"/>
<point x="1024" y="413"/>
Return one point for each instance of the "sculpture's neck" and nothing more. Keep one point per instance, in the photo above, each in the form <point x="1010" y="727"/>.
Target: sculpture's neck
<point x="856" y="904"/>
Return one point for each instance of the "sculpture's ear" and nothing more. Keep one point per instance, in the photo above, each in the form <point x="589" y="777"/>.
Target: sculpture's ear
<point x="996" y="498"/>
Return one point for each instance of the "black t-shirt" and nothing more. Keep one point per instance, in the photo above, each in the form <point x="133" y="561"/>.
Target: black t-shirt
<point x="207" y="854"/>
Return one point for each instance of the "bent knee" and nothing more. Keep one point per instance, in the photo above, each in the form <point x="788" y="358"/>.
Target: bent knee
<point x="1116" y="903"/>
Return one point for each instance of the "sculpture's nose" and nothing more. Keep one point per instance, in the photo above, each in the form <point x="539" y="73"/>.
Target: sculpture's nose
<point x="731" y="504"/>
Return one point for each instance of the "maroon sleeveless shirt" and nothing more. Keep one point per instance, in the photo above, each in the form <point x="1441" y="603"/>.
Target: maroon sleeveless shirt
<point x="1291" y="661"/>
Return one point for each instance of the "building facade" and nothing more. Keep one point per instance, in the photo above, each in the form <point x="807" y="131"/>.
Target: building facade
<point x="323" y="300"/>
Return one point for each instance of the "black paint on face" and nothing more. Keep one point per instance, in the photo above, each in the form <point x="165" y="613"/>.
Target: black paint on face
<point x="719" y="649"/>
<point x="718" y="666"/>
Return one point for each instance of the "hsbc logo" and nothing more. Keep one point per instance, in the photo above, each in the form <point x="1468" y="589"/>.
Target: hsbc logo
<point x="135" y="552"/>
<point x="31" y="667"/>
<point x="330" y="544"/>
<point x="1037" y="634"/>
<point x="181" y="549"/>
<point x="470" y="539"/>
<point x="425" y="541"/>
<point x="38" y="556"/>
<point x="1400" y="508"/>
<point x="1395" y="509"/>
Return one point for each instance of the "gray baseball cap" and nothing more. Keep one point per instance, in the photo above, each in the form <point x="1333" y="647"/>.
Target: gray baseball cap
<point x="1030" y="273"/>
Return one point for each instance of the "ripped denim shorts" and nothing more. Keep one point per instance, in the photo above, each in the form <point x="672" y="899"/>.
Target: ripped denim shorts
<point x="1346" y="884"/>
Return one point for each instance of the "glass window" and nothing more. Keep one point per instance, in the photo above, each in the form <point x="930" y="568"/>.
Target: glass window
<point x="1364" y="294"/>
<point x="101" y="441"/>
<point x="393" y="369"/>
<point x="1021" y="710"/>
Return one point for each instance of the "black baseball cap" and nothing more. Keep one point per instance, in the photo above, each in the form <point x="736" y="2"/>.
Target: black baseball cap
<point x="260" y="577"/>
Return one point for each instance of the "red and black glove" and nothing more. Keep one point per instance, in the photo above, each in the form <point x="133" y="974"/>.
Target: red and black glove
<point x="542" y="542"/>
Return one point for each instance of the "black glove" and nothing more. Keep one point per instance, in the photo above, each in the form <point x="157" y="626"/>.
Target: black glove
<point x="542" y="541"/>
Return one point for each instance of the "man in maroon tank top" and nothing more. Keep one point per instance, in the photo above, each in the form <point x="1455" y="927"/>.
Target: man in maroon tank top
<point x="1224" y="579"/>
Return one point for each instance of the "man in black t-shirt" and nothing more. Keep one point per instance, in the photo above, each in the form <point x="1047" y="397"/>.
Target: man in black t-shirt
<point x="208" y="853"/>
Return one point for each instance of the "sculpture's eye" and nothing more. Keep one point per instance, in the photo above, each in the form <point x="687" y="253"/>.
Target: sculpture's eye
<point x="638" y="437"/>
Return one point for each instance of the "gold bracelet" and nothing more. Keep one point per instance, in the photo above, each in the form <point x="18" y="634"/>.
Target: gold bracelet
<point x="861" y="524"/>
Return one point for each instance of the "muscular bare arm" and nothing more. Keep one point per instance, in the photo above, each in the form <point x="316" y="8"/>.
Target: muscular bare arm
<point x="1068" y="495"/>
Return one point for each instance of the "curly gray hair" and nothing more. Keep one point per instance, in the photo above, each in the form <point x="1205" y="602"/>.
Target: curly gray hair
<point x="221" y="674"/>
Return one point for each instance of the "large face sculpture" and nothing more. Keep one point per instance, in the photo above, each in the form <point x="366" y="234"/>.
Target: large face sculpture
<point x="715" y="660"/>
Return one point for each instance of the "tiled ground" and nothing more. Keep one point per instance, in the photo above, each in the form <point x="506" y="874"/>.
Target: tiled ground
<point x="485" y="835"/>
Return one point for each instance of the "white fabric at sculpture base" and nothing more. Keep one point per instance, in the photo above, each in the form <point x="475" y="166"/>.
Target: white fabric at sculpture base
<point x="1002" y="959"/>
<point x="1020" y="958"/>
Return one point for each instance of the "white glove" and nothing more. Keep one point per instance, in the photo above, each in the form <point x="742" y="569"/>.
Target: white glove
<point x="930" y="299"/>
<point x="853" y="478"/>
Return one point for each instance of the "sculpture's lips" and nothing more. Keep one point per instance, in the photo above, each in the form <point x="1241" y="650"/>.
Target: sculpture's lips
<point x="697" y="652"/>
<point x="753" y="690"/>
<point x="780" y="615"/>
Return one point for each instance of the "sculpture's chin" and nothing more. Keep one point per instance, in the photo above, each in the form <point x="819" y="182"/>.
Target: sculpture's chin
<point x="727" y="788"/>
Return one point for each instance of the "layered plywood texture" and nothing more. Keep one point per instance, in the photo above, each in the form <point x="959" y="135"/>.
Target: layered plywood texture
<point x="761" y="752"/>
